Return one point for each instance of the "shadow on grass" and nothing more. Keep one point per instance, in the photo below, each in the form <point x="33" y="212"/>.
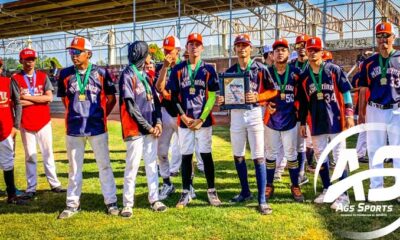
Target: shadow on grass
<point x="91" y="160"/>
<point x="91" y="151"/>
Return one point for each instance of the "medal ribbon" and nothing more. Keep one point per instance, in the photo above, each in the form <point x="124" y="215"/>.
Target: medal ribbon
<point x="319" y="84"/>
<point x="384" y="68"/>
<point x="83" y="85"/>
<point x="31" y="89"/>
<point x="142" y="78"/>
<point x="192" y="75"/>
<point x="278" y="78"/>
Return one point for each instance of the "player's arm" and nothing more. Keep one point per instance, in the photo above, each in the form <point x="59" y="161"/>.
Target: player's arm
<point x="61" y="91"/>
<point x="47" y="97"/>
<point x="266" y="90"/>
<point x="17" y="108"/>
<point x="345" y="88"/>
<point x="157" y="105"/>
<point x="362" y="104"/>
<point x="110" y="90"/>
<point x="111" y="101"/>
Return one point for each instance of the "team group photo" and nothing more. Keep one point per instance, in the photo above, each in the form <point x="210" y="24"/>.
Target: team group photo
<point x="200" y="120"/>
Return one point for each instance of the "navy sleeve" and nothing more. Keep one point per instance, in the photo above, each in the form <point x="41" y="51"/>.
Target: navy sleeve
<point x="363" y="77"/>
<point x="268" y="82"/>
<point x="173" y="83"/>
<point x="342" y="81"/>
<point x="61" y="91"/>
<point x="212" y="84"/>
<point x="109" y="87"/>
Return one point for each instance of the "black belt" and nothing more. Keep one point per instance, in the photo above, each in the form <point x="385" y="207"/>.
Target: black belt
<point x="384" y="106"/>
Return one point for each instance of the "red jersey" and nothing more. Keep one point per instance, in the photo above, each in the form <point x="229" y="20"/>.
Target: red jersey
<point x="6" y="119"/>
<point x="36" y="116"/>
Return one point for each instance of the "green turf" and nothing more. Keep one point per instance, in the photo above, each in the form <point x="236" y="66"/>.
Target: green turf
<point x="199" y="221"/>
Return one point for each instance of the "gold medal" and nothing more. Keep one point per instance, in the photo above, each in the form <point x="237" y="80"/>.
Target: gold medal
<point x="192" y="91"/>
<point x="283" y="96"/>
<point x="320" y="96"/>
<point x="82" y="97"/>
<point x="383" y="81"/>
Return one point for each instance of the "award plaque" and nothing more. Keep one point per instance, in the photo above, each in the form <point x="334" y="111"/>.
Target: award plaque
<point x="233" y="87"/>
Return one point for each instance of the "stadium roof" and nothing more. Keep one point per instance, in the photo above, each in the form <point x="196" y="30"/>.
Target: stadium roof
<point x="30" y="17"/>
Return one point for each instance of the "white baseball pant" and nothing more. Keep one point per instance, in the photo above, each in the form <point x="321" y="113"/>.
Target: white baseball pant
<point x="377" y="139"/>
<point x="75" y="152"/>
<point x="168" y="139"/>
<point x="247" y="125"/>
<point x="7" y="154"/>
<point x="286" y="138"/>
<point x="362" y="145"/>
<point x="190" y="140"/>
<point x="43" y="138"/>
<point x="145" y="146"/>
<point x="321" y="141"/>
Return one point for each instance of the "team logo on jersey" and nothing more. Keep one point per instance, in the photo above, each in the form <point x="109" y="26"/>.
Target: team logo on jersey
<point x="3" y="97"/>
<point x="348" y="157"/>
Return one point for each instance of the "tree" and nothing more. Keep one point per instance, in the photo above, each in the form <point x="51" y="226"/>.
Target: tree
<point x="156" y="52"/>
<point x="10" y="63"/>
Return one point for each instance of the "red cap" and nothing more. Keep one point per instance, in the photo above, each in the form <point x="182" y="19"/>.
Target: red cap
<point x="384" y="27"/>
<point x="171" y="42"/>
<point x="243" y="38"/>
<point x="282" y="42"/>
<point x="314" y="42"/>
<point x="80" y="43"/>
<point x="326" y="55"/>
<point x="302" y="38"/>
<point x="195" y="37"/>
<point x="27" y="53"/>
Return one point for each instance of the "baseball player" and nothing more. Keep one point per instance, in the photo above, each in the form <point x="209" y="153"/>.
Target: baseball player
<point x="380" y="74"/>
<point x="268" y="55"/>
<point x="193" y="84"/>
<point x="10" y="112"/>
<point x="88" y="94"/>
<point x="36" y="94"/>
<point x="327" y="56"/>
<point x="247" y="124"/>
<point x="281" y="125"/>
<point x="141" y="126"/>
<point x="325" y="95"/>
<point x="301" y="62"/>
<point x="172" y="47"/>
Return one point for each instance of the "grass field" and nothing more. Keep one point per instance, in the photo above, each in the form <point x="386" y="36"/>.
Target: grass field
<point x="289" y="220"/>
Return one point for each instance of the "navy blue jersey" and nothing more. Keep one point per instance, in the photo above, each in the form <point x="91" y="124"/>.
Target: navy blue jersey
<point x="179" y="83"/>
<point x="259" y="80"/>
<point x="370" y="76"/>
<point x="166" y="103"/>
<point x="327" y="115"/>
<point x="85" y="118"/>
<point x="300" y="65"/>
<point x="285" y="117"/>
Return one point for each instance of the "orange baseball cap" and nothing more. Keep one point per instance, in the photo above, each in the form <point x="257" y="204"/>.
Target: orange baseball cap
<point x="302" y="38"/>
<point x="384" y="27"/>
<point x="196" y="37"/>
<point x="327" y="55"/>
<point x="171" y="42"/>
<point x="242" y="38"/>
<point x="80" y="43"/>
<point x="282" y="42"/>
<point x="314" y="42"/>
<point x="27" y="53"/>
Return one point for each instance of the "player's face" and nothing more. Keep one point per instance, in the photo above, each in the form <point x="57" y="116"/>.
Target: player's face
<point x="243" y="50"/>
<point x="385" y="40"/>
<point x="314" y="54"/>
<point x="149" y="67"/>
<point x="79" y="57"/>
<point x="173" y="53"/>
<point x="28" y="64"/>
<point x="301" y="49"/>
<point x="194" y="48"/>
<point x="281" y="55"/>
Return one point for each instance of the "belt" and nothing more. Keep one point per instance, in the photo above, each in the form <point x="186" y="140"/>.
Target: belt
<point x="384" y="106"/>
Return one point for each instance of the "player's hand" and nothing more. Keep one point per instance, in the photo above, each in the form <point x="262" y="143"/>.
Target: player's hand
<point x="167" y="60"/>
<point x="220" y="100"/>
<point x="196" y="124"/>
<point x="251" y="97"/>
<point x="349" y="122"/>
<point x="271" y="108"/>
<point x="14" y="132"/>
<point x="158" y="128"/>
<point x="303" y="131"/>
<point x="186" y="120"/>
<point x="361" y="119"/>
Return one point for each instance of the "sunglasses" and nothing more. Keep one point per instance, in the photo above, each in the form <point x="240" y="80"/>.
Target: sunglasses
<point x="73" y="52"/>
<point x="383" y="35"/>
<point x="300" y="45"/>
